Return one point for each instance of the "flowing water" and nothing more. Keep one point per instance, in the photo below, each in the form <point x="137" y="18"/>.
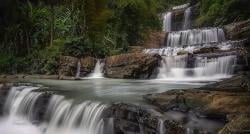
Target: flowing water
<point x="78" y="70"/>
<point x="187" y="18"/>
<point x="167" y="22"/>
<point x="98" y="71"/>
<point x="195" y="37"/>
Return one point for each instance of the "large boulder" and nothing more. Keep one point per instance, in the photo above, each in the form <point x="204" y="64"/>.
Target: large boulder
<point x="131" y="66"/>
<point x="238" y="30"/>
<point x="87" y="65"/>
<point x="67" y="66"/>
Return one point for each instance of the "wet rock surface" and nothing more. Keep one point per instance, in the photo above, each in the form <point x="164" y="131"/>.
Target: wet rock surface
<point x="131" y="66"/>
<point x="130" y="118"/>
<point x="226" y="100"/>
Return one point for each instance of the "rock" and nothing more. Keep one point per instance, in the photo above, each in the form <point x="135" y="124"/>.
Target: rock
<point x="207" y="50"/>
<point x="183" y="53"/>
<point x="203" y="101"/>
<point x="130" y="118"/>
<point x="238" y="30"/>
<point x="240" y="124"/>
<point x="87" y="65"/>
<point x="67" y="66"/>
<point x="131" y="66"/>
<point x="155" y="40"/>
<point x="136" y="49"/>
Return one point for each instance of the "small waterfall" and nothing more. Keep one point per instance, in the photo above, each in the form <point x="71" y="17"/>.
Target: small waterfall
<point x="161" y="127"/>
<point x="98" y="71"/>
<point x="195" y="37"/>
<point x="66" y="117"/>
<point x="167" y="22"/>
<point x="187" y="18"/>
<point x="78" y="69"/>
<point x="20" y="102"/>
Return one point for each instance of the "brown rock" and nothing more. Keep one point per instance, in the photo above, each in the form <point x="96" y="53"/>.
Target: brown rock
<point x="238" y="30"/>
<point x="134" y="65"/>
<point x="67" y="66"/>
<point x="240" y="124"/>
<point x="155" y="40"/>
<point x="87" y="65"/>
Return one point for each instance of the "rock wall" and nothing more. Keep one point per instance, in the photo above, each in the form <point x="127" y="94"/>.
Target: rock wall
<point x="87" y="65"/>
<point x="131" y="66"/>
<point x="155" y="40"/>
<point x="67" y="66"/>
<point x="238" y="30"/>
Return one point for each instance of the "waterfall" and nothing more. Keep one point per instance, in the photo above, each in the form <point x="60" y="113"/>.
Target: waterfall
<point x="167" y="22"/>
<point x="195" y="37"/>
<point x="98" y="71"/>
<point x="67" y="117"/>
<point x="21" y="101"/>
<point x="176" y="68"/>
<point x="160" y="126"/>
<point x="187" y="18"/>
<point x="78" y="69"/>
<point x="62" y="116"/>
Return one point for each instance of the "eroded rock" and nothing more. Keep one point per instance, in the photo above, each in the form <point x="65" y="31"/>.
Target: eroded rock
<point x="238" y="30"/>
<point x="87" y="65"/>
<point x="67" y="66"/>
<point x="131" y="66"/>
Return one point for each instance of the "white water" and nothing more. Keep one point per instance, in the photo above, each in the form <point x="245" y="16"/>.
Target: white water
<point x="98" y="71"/>
<point x="78" y="70"/>
<point x="181" y="6"/>
<point x="175" y="68"/>
<point x="167" y="22"/>
<point x="62" y="116"/>
<point x="195" y="37"/>
<point x="187" y="18"/>
<point x="70" y="118"/>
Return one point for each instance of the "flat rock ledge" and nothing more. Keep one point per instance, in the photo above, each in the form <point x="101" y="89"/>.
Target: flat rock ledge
<point x="225" y="100"/>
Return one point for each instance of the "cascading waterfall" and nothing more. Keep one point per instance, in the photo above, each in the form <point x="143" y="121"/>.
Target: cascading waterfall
<point x="187" y="18"/>
<point x="195" y="37"/>
<point x="176" y="68"/>
<point x="21" y="101"/>
<point x="67" y="117"/>
<point x="167" y="22"/>
<point x="78" y="69"/>
<point x="98" y="71"/>
<point x="179" y="63"/>
<point x="62" y="116"/>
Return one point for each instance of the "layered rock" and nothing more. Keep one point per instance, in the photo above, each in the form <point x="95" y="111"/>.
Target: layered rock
<point x="238" y="30"/>
<point x="87" y="65"/>
<point x="131" y="66"/>
<point x="67" y="66"/>
<point x="155" y="40"/>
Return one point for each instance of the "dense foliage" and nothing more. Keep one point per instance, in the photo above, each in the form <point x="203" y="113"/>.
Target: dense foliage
<point x="34" y="33"/>
<point x="220" y="12"/>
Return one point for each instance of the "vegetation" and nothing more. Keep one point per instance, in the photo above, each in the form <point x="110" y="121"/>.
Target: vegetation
<point x="220" y="12"/>
<point x="34" y="33"/>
